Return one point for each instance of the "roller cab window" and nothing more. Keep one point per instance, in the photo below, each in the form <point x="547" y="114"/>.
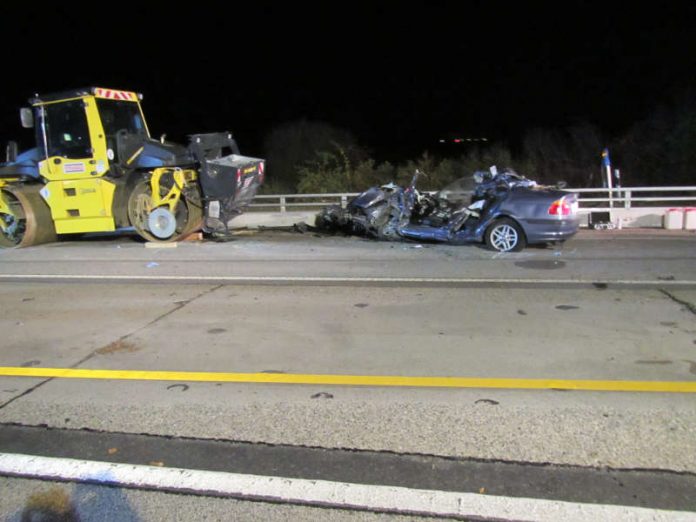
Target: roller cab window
<point x="120" y="116"/>
<point x="66" y="130"/>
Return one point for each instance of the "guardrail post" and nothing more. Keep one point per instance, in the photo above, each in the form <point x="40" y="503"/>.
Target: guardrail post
<point x="282" y="203"/>
<point x="344" y="201"/>
<point x="627" y="199"/>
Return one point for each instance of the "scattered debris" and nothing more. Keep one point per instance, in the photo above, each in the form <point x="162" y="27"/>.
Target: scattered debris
<point x="118" y="346"/>
<point x="300" y="227"/>
<point x="322" y="395"/>
<point x="217" y="330"/>
<point x="184" y="387"/>
<point x="195" y="236"/>
<point x="692" y="366"/>
<point x="172" y="244"/>
<point x="152" y="264"/>
<point x="51" y="504"/>
<point x="244" y="231"/>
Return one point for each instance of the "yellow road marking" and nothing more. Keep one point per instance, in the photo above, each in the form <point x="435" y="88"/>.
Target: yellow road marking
<point x="357" y="380"/>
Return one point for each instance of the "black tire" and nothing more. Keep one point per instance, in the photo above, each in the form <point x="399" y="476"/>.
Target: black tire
<point x="505" y="235"/>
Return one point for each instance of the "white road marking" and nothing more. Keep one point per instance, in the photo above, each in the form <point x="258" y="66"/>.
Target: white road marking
<point x="299" y="279"/>
<point x="340" y="495"/>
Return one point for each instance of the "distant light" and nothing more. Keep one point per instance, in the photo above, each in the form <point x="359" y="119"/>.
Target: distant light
<point x="463" y="140"/>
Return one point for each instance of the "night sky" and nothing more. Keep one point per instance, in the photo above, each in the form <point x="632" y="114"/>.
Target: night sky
<point x="399" y="77"/>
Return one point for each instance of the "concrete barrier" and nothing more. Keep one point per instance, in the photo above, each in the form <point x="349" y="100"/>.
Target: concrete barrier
<point x="646" y="217"/>
<point x="674" y="219"/>
<point x="272" y="219"/>
<point x="690" y="218"/>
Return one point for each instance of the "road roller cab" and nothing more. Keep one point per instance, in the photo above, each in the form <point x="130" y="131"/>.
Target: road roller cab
<point x="96" y="169"/>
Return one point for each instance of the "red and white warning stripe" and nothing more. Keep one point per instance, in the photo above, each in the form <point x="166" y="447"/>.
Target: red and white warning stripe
<point x="111" y="94"/>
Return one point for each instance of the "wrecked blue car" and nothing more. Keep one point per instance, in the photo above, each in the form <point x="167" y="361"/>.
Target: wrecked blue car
<point x="503" y="210"/>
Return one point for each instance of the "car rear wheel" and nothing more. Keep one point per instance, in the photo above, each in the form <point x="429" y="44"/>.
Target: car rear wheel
<point x="505" y="235"/>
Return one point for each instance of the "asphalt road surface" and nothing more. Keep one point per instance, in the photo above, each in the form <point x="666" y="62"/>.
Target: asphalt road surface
<point x="293" y="376"/>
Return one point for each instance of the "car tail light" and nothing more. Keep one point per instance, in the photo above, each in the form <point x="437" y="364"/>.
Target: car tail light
<point x="560" y="207"/>
<point x="262" y="173"/>
<point x="239" y="176"/>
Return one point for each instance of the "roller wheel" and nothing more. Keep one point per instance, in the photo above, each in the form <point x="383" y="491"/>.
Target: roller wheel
<point x="195" y="216"/>
<point x="30" y="222"/>
<point x="161" y="225"/>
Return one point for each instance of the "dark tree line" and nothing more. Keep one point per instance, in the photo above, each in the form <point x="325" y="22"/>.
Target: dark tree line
<point x="316" y="157"/>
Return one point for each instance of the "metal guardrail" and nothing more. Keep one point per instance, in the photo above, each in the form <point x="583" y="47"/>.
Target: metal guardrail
<point x="285" y="201"/>
<point x="626" y="197"/>
<point x="631" y="197"/>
